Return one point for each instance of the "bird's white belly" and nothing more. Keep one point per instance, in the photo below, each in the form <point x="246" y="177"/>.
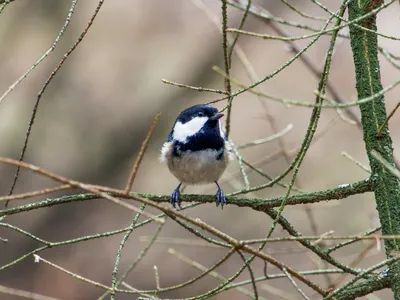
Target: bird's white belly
<point x="199" y="167"/>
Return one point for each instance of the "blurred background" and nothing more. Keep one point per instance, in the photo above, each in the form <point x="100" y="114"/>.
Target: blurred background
<point x="96" y="112"/>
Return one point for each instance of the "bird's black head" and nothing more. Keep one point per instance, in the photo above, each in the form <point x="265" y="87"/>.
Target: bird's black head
<point x="197" y="128"/>
<point x="200" y="111"/>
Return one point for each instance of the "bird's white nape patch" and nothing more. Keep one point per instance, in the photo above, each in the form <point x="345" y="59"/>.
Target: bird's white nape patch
<point x="184" y="130"/>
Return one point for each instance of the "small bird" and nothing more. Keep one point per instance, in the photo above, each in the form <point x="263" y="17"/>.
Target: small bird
<point x="197" y="151"/>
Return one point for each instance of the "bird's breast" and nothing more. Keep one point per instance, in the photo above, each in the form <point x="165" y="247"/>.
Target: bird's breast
<point x="198" y="167"/>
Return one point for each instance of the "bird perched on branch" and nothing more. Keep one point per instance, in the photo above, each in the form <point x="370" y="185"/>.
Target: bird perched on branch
<point x="197" y="151"/>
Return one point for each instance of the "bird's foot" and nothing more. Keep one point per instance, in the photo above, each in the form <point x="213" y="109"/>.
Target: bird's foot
<point x="174" y="199"/>
<point x="220" y="197"/>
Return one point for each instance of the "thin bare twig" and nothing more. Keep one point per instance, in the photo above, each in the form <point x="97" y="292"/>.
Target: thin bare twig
<point x="208" y="271"/>
<point x="64" y="27"/>
<point x="39" y="259"/>
<point x="35" y="193"/>
<point x="195" y="88"/>
<point x="268" y="139"/>
<point x="141" y="154"/>
<point x="23" y="294"/>
<point x="224" y="11"/>
<point x="387" y="120"/>
<point x="352" y="159"/>
<point x="39" y="96"/>
<point x="295" y="285"/>
<point x="392" y="169"/>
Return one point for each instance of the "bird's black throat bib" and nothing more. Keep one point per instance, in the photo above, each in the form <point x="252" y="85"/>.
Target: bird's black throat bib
<point x="199" y="142"/>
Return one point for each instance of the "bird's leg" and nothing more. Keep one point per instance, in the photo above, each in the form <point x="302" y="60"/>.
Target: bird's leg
<point x="220" y="196"/>
<point x="175" y="196"/>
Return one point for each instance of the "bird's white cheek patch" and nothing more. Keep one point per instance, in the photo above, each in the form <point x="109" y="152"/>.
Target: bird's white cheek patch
<point x="183" y="131"/>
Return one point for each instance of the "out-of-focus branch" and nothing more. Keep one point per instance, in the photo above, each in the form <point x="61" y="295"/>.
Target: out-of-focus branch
<point x="45" y="85"/>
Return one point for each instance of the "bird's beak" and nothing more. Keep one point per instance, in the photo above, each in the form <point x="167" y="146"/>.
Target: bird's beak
<point x="217" y="116"/>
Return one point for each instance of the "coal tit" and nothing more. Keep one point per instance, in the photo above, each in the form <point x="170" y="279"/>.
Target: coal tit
<point x="197" y="151"/>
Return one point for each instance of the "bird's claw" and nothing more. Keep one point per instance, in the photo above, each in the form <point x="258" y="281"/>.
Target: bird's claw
<point x="221" y="199"/>
<point x="174" y="199"/>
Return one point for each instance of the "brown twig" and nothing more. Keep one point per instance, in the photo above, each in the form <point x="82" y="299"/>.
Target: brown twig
<point x="140" y="155"/>
<point x="35" y="193"/>
<point x="387" y="120"/>
<point x="76" y="184"/>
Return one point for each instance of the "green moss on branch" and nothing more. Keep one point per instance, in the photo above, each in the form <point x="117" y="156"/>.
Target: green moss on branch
<point x="373" y="114"/>
<point x="260" y="204"/>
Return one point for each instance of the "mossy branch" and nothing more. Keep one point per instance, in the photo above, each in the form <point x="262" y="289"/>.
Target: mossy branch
<point x="373" y="115"/>
<point x="260" y="204"/>
<point x="364" y="288"/>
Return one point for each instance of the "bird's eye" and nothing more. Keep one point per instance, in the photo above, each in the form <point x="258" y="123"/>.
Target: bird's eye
<point x="200" y="114"/>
